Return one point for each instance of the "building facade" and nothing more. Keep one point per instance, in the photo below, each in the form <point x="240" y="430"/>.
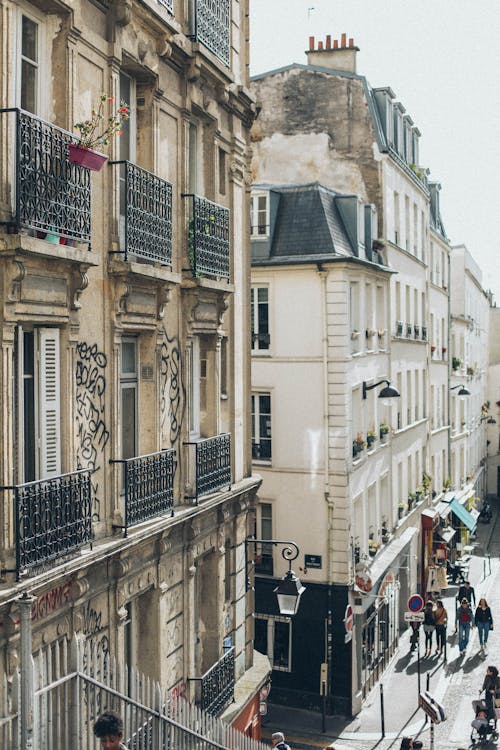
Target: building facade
<point x="125" y="470"/>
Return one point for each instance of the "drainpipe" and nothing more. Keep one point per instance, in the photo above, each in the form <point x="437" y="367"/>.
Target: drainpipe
<point x="449" y="367"/>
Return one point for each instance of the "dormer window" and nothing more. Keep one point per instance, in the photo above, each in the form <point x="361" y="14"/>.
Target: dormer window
<point x="259" y="214"/>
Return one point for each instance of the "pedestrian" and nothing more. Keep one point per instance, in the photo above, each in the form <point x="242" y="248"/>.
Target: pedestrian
<point x="490" y="687"/>
<point x="278" y="740"/>
<point x="464" y="620"/>
<point x="484" y="622"/>
<point x="468" y="592"/>
<point x="415" y="636"/>
<point x="429" y="626"/>
<point x="109" y="730"/>
<point x="441" y="621"/>
<point x="406" y="743"/>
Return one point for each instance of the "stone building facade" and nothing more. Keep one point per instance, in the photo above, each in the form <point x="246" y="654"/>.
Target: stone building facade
<point x="124" y="430"/>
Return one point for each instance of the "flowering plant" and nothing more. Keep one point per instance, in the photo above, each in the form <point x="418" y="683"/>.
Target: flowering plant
<point x="98" y="129"/>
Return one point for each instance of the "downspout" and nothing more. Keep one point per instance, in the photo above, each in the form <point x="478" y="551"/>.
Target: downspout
<point x="450" y="360"/>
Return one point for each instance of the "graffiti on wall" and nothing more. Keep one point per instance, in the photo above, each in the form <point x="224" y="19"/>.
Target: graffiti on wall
<point x="172" y="391"/>
<point x="91" y="426"/>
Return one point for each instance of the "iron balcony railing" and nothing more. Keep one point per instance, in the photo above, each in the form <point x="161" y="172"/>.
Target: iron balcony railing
<point x="145" y="214"/>
<point x="424" y="333"/>
<point x="217" y="685"/>
<point x="51" y="196"/>
<point x="149" y="486"/>
<point x="208" y="238"/>
<point x="52" y="518"/>
<point x="212" y="464"/>
<point x="210" y="22"/>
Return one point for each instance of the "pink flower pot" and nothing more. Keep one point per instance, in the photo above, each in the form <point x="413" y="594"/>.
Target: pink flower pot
<point x="86" y="157"/>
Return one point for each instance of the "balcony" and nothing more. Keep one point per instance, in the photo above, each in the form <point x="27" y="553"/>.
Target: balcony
<point x="149" y="486"/>
<point x="208" y="239"/>
<point x="409" y="330"/>
<point x="52" y="517"/>
<point x="212" y="464"/>
<point x="145" y="214"/>
<point x="211" y="27"/>
<point x="51" y="197"/>
<point x="217" y="685"/>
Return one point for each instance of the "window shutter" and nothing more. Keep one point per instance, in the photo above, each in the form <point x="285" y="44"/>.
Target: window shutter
<point x="50" y="429"/>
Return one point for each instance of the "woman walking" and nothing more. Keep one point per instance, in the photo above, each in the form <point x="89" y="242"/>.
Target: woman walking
<point x="429" y="625"/>
<point x="465" y="620"/>
<point x="441" y="621"/>
<point x="484" y="622"/>
<point x="490" y="687"/>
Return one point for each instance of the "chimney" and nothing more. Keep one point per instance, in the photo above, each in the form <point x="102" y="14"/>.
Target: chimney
<point x="336" y="56"/>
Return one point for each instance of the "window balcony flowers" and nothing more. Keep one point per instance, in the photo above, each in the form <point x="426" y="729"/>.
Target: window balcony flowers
<point x="370" y="438"/>
<point x="354" y="333"/>
<point x="97" y="131"/>
<point x="370" y="332"/>
<point x="373" y="547"/>
<point x="358" y="444"/>
<point x="433" y="348"/>
<point x="455" y="363"/>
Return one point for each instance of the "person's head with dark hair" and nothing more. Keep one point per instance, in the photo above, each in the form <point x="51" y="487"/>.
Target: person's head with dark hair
<point x="493" y="671"/>
<point x="405" y="743"/>
<point x="109" y="729"/>
<point x="417" y="745"/>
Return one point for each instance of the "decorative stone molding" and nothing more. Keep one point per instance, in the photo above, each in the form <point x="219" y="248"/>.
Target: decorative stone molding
<point x="79" y="282"/>
<point x="123" y="290"/>
<point x="122" y="10"/>
<point x="120" y="567"/>
<point x="15" y="275"/>
<point x="164" y="48"/>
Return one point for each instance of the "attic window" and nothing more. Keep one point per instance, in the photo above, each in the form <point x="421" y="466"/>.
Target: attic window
<point x="259" y="215"/>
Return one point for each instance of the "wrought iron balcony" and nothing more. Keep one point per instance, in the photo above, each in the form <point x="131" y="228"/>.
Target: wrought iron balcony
<point x="208" y="238"/>
<point x="52" y="517"/>
<point x="217" y="685"/>
<point x="409" y="330"/>
<point x="50" y="196"/>
<point x="212" y="463"/>
<point x="149" y="486"/>
<point x="424" y="333"/>
<point x="211" y="26"/>
<point x="145" y="214"/>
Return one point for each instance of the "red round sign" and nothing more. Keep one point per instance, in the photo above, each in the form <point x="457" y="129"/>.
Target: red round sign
<point x="348" y="618"/>
<point x="415" y="603"/>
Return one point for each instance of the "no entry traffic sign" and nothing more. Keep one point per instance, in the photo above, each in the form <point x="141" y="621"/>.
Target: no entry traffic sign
<point x="415" y="603"/>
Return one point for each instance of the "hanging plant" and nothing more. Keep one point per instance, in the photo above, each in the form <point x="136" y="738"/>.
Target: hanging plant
<point x="97" y="131"/>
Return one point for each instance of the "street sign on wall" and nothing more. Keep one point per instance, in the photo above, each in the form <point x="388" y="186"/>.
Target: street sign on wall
<point x="414" y="616"/>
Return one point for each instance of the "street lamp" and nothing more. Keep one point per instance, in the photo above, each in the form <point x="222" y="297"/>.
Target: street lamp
<point x="489" y="420"/>
<point x="388" y="392"/>
<point x="290" y="589"/>
<point x="462" y="392"/>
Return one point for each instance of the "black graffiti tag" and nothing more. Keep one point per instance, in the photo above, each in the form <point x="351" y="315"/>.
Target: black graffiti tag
<point x="173" y="392"/>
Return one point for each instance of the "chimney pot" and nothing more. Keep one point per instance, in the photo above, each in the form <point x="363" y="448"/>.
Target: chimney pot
<point x="344" y="38"/>
<point x="328" y="41"/>
<point x="335" y="44"/>
<point x="311" y="43"/>
<point x="351" y="42"/>
<point x="320" y="45"/>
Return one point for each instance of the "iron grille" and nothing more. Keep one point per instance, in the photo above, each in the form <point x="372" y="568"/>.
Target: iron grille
<point x="146" y="208"/>
<point x="52" y="518"/>
<point x="212" y="26"/>
<point x="424" y="333"/>
<point x="208" y="238"/>
<point x="213" y="464"/>
<point x="217" y="685"/>
<point x="149" y="486"/>
<point x="168" y="4"/>
<point x="52" y="195"/>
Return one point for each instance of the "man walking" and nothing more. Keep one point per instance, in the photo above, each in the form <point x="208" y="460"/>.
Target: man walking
<point x="465" y="620"/>
<point x="467" y="592"/>
<point x="278" y="740"/>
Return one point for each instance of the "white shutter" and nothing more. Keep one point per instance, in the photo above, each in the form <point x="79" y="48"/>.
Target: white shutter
<point x="49" y="402"/>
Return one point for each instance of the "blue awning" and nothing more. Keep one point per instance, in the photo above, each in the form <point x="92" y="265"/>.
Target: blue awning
<point x="463" y="514"/>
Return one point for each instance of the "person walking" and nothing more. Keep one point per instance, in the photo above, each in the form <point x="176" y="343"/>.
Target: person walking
<point x="465" y="620"/>
<point x="429" y="626"/>
<point x="108" y="728"/>
<point x="484" y="622"/>
<point x="278" y="741"/>
<point x="467" y="591"/>
<point x="490" y="687"/>
<point x="441" y="621"/>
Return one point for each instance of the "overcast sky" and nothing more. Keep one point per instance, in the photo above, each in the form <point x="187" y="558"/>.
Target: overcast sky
<point x="442" y="60"/>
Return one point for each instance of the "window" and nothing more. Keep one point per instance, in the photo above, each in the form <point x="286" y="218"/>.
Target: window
<point x="397" y="220"/>
<point x="37" y="417"/>
<point x="264" y="561"/>
<point x="259" y="303"/>
<point x="128" y="400"/>
<point x="193" y="159"/>
<point x="261" y="426"/>
<point x="29" y="63"/>
<point x="198" y="354"/>
<point x="273" y="637"/>
<point x="222" y="171"/>
<point x="259" y="215"/>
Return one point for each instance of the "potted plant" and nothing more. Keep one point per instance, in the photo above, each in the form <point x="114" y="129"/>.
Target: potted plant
<point x="354" y="333"/>
<point x="370" y="437"/>
<point x="381" y="332"/>
<point x="401" y="510"/>
<point x="455" y="363"/>
<point x="384" y="430"/>
<point x="358" y="444"/>
<point x="433" y="348"/>
<point x="444" y="349"/>
<point x="426" y="482"/>
<point x="97" y="131"/>
<point x="447" y="484"/>
<point x="411" y="500"/>
<point x="399" y="328"/>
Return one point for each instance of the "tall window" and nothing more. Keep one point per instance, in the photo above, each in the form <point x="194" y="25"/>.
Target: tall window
<point x="198" y="372"/>
<point x="259" y="302"/>
<point x="193" y="158"/>
<point x="37" y="415"/>
<point x="129" y="400"/>
<point x="397" y="220"/>
<point x="259" y="215"/>
<point x="273" y="637"/>
<point x="264" y="560"/>
<point x="29" y="73"/>
<point x="261" y="426"/>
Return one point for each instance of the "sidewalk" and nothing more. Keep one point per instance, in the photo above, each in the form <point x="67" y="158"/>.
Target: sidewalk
<point x="303" y="729"/>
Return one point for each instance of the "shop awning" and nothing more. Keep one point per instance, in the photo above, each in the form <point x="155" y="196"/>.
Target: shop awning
<point x="447" y="534"/>
<point x="463" y="514"/>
